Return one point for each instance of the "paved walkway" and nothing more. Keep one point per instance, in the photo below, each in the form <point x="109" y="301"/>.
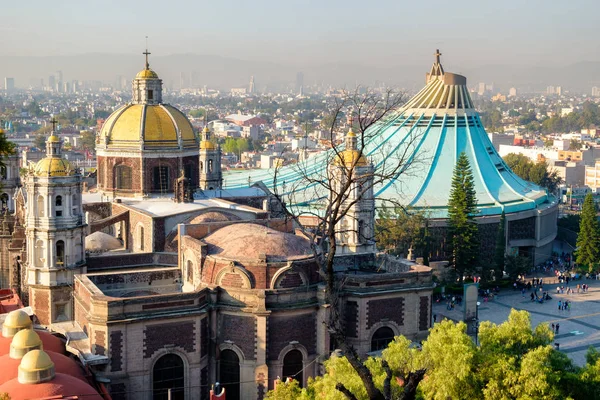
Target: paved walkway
<point x="579" y="327"/>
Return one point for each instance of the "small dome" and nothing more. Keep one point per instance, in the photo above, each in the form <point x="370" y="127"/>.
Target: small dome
<point x="53" y="138"/>
<point x="24" y="341"/>
<point x="49" y="343"/>
<point x="61" y="386"/>
<point x="350" y="157"/>
<point x="253" y="241"/>
<point x="100" y="242"/>
<point x="148" y="126"/>
<point x="14" y="322"/>
<point x="36" y="360"/>
<point x="146" y="74"/>
<point x="53" y="166"/>
<point x="206" y="144"/>
<point x="62" y="364"/>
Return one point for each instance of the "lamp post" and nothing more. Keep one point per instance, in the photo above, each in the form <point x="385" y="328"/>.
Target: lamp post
<point x="477" y="324"/>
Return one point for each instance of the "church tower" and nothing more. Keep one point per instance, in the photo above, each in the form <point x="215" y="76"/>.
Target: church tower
<point x="355" y="233"/>
<point x="55" y="234"/>
<point x="211" y="177"/>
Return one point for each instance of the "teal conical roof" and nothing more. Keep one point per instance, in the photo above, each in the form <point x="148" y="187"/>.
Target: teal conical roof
<point x="427" y="134"/>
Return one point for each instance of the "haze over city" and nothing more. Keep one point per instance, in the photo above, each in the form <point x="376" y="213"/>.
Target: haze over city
<point x="339" y="43"/>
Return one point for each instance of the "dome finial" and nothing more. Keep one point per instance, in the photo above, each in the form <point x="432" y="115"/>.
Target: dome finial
<point x="437" y="55"/>
<point x="436" y="69"/>
<point x="147" y="53"/>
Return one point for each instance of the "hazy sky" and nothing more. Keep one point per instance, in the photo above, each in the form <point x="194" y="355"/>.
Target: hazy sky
<point x="528" y="32"/>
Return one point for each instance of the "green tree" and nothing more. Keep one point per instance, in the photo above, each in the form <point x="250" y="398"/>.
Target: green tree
<point x="500" y="250"/>
<point x="88" y="141"/>
<point x="537" y="173"/>
<point x="230" y="146"/>
<point x="287" y="391"/>
<point x="462" y="228"/>
<point x="516" y="265"/>
<point x="397" y="230"/>
<point x="40" y="141"/>
<point x="588" y="238"/>
<point x="6" y="148"/>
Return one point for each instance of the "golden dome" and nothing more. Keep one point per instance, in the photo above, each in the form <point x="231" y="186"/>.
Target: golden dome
<point x="36" y="360"/>
<point x="146" y="74"/>
<point x="352" y="157"/>
<point x="53" y="166"/>
<point x="14" y="322"/>
<point x="350" y="133"/>
<point x="161" y="126"/>
<point x="53" y="138"/>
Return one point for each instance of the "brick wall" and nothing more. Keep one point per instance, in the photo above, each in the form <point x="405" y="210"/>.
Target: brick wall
<point x="106" y="176"/>
<point x="116" y="351"/>
<point x="41" y="304"/>
<point x="285" y="328"/>
<point x="390" y="309"/>
<point x="99" y="346"/>
<point x="241" y="331"/>
<point x="180" y="334"/>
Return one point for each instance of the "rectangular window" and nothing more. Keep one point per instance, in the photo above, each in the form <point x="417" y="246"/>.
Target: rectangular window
<point x="150" y="94"/>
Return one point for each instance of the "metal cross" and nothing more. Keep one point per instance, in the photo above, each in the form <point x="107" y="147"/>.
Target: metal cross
<point x="54" y="122"/>
<point x="147" y="53"/>
<point x="437" y="55"/>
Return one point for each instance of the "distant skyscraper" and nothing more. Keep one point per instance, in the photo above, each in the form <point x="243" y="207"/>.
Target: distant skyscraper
<point x="51" y="82"/>
<point x="251" y="85"/>
<point x="558" y="90"/>
<point x="481" y="88"/>
<point x="299" y="82"/>
<point x="550" y="90"/>
<point x="512" y="92"/>
<point x="9" y="84"/>
<point x="596" y="91"/>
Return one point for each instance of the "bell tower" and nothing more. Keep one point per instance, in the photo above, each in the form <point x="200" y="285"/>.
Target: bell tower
<point x="355" y="232"/>
<point x="211" y="177"/>
<point x="147" y="86"/>
<point x="55" y="232"/>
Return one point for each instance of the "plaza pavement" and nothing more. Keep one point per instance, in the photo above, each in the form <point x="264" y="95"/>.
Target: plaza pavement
<point x="579" y="327"/>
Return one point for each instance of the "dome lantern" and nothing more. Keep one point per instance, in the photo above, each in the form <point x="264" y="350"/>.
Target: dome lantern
<point x="147" y="86"/>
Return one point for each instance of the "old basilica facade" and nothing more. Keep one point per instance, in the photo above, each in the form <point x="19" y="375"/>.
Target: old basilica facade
<point x="159" y="278"/>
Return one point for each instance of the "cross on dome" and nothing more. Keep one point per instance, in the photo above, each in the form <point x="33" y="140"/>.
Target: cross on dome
<point x="437" y="56"/>
<point x="54" y="122"/>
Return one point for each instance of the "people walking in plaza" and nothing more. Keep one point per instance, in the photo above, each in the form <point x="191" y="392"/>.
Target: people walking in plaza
<point x="559" y="308"/>
<point x="557" y="327"/>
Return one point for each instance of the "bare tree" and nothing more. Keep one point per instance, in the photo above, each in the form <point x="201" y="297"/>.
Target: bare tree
<point x="321" y="191"/>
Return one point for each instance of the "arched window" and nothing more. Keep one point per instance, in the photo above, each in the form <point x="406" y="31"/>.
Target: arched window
<point x="40" y="206"/>
<point x="189" y="271"/>
<point x="168" y="373"/>
<point x="123" y="177"/>
<point x="188" y="171"/>
<point x="292" y="366"/>
<point x="58" y="206"/>
<point x="201" y="167"/>
<point x="229" y="374"/>
<point x="3" y="172"/>
<point x="161" y="178"/>
<point x="381" y="338"/>
<point x="60" y="252"/>
<point x="210" y="166"/>
<point x="4" y="201"/>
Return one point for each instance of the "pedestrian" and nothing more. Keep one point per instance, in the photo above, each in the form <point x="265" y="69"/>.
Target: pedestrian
<point x="557" y="327"/>
<point x="553" y="327"/>
<point x="557" y="346"/>
<point x="559" y="308"/>
<point x="523" y="292"/>
<point x="515" y="286"/>
<point x="532" y="296"/>
<point x="435" y="317"/>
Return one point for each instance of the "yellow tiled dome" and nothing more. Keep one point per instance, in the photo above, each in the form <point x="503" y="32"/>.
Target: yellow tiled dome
<point x="146" y="74"/>
<point x="53" y="166"/>
<point x="207" y="144"/>
<point x="352" y="157"/>
<point x="53" y="138"/>
<point x="152" y="126"/>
